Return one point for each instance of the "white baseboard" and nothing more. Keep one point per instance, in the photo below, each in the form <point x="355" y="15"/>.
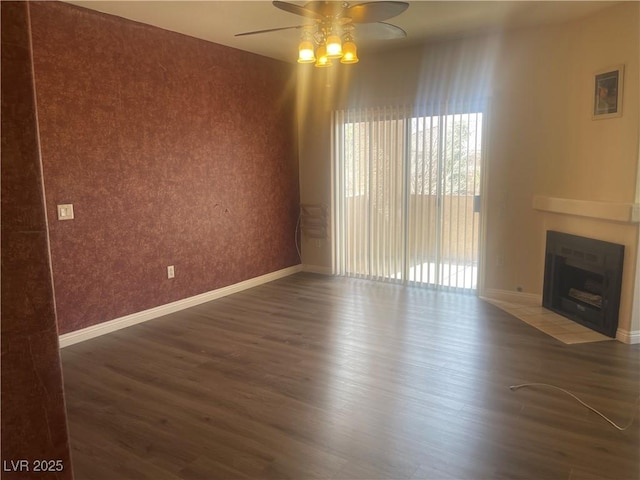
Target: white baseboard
<point x="139" y="317"/>
<point x="628" y="337"/>
<point x="521" y="298"/>
<point x="317" y="269"/>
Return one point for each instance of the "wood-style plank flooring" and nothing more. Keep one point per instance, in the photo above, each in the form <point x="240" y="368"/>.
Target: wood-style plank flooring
<point x="321" y="377"/>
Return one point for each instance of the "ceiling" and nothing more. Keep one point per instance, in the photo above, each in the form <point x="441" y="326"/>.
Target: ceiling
<point x="424" y="21"/>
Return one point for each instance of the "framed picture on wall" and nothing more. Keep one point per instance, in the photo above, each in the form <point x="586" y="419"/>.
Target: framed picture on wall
<point x="607" y="92"/>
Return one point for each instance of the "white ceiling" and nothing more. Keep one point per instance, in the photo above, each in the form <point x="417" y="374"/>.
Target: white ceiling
<point x="424" y="21"/>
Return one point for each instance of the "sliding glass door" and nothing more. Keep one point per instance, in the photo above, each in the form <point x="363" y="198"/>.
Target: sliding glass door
<point x="406" y="195"/>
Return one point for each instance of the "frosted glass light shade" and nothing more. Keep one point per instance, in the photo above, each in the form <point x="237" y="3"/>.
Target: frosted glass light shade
<point x="334" y="46"/>
<point x="305" y="52"/>
<point x="349" y="53"/>
<point x="322" y="60"/>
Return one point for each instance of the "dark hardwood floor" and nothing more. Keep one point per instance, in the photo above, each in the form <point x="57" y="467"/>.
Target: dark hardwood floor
<point x="323" y="377"/>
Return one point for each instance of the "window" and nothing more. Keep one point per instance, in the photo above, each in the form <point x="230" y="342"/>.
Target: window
<point x="407" y="194"/>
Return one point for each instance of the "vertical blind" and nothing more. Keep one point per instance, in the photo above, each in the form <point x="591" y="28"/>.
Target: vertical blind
<point x="406" y="194"/>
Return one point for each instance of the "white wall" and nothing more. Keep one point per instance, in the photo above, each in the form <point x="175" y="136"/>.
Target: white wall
<point x="542" y="140"/>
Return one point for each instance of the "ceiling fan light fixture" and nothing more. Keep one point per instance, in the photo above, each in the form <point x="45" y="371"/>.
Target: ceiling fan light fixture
<point x="322" y="60"/>
<point x="306" y="52"/>
<point x="330" y="24"/>
<point x="334" y="46"/>
<point x="349" y="53"/>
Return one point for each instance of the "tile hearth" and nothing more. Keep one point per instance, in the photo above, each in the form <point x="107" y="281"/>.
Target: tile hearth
<point x="551" y="323"/>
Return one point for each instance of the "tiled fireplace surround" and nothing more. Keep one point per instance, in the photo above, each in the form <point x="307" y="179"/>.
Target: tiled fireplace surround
<point x="612" y="222"/>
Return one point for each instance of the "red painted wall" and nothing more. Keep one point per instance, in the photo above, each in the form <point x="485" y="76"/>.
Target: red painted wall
<point x="33" y="417"/>
<point x="173" y="151"/>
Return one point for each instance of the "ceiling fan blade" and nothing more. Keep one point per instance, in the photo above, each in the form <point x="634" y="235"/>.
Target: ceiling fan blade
<point x="378" y="31"/>
<point x="269" y="30"/>
<point x="374" y="11"/>
<point x="297" y="9"/>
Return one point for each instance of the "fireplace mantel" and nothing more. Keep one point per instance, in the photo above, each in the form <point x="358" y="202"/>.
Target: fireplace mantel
<point x="608" y="221"/>
<point x="608" y="211"/>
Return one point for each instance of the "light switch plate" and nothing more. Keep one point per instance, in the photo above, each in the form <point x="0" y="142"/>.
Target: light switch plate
<point x="65" y="211"/>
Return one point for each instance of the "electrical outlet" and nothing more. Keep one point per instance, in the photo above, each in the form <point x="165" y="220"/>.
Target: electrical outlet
<point x="171" y="272"/>
<point x="500" y="260"/>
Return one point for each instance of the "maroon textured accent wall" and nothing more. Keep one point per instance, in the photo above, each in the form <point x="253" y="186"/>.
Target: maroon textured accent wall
<point x="34" y="424"/>
<point x="173" y="151"/>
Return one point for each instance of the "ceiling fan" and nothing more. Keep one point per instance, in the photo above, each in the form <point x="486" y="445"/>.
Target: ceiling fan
<point x="333" y="25"/>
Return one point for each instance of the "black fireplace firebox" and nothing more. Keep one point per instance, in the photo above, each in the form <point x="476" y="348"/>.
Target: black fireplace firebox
<point x="582" y="280"/>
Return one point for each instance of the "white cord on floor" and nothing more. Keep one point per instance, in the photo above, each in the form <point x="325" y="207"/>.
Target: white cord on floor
<point x="513" y="388"/>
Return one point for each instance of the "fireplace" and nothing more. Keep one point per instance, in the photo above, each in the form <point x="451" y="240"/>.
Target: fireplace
<point x="582" y="280"/>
